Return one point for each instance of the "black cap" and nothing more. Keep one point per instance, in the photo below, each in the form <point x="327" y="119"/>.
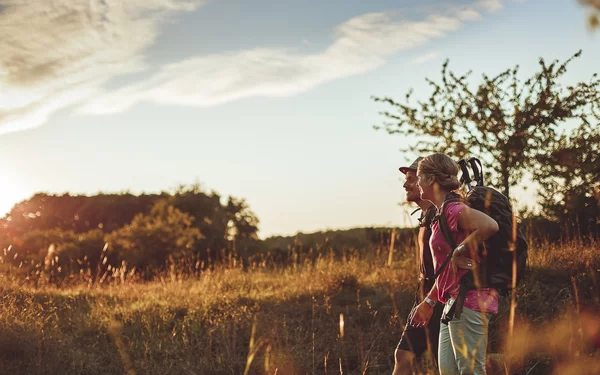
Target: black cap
<point x="412" y="167"/>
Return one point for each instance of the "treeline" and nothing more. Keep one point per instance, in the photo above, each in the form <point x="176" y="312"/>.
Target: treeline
<point x="376" y="241"/>
<point x="353" y="238"/>
<point x="70" y="234"/>
<point x="114" y="235"/>
<point x="360" y="243"/>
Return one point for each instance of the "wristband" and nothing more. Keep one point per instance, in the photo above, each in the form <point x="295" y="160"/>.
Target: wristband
<point x="459" y="249"/>
<point x="430" y="302"/>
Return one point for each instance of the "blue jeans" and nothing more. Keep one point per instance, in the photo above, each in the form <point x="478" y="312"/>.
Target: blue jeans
<point x="463" y="344"/>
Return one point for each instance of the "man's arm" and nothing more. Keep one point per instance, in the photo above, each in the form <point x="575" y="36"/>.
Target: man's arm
<point x="424" y="310"/>
<point x="433" y="293"/>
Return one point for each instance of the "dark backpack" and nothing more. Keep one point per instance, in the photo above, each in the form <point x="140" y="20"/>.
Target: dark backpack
<point x="501" y="251"/>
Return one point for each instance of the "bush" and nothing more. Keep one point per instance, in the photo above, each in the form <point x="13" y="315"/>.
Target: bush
<point x="149" y="240"/>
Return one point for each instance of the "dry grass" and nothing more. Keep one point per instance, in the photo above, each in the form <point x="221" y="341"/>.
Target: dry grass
<point x="286" y="320"/>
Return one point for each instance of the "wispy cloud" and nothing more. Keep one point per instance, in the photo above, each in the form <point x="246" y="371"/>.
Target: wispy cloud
<point x="76" y="46"/>
<point x="423" y="58"/>
<point x="360" y="44"/>
<point x="490" y="5"/>
<point x="56" y="53"/>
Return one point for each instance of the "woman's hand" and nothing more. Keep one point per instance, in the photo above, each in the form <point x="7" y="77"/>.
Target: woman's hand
<point x="459" y="261"/>
<point x="420" y="315"/>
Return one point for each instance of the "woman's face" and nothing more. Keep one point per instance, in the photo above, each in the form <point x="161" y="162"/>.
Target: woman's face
<point x="425" y="184"/>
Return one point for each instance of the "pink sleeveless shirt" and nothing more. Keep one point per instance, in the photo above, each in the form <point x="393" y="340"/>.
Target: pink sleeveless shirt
<point x="482" y="300"/>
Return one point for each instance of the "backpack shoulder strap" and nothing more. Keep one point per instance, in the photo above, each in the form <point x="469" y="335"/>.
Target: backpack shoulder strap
<point x="427" y="217"/>
<point x="445" y="229"/>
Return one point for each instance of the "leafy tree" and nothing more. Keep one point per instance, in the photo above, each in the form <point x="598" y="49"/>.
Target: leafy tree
<point x="56" y="251"/>
<point x="78" y="213"/>
<point x="33" y="247"/>
<point x="85" y="249"/>
<point x="242" y="222"/>
<point x="222" y="225"/>
<point x="209" y="216"/>
<point x="570" y="178"/>
<point x="149" y="240"/>
<point x="44" y="219"/>
<point x="504" y="121"/>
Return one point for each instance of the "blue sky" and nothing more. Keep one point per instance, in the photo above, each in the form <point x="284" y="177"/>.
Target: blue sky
<point x="265" y="100"/>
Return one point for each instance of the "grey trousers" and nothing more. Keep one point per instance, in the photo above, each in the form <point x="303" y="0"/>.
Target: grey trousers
<point x="463" y="344"/>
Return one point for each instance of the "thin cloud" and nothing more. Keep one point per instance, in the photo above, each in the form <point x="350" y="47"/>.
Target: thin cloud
<point x="468" y="14"/>
<point x="361" y="44"/>
<point x="56" y="53"/>
<point x="424" y="58"/>
<point x="490" y="5"/>
<point x="74" y="47"/>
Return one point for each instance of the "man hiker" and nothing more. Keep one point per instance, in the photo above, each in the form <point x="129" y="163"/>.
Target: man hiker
<point x="417" y="340"/>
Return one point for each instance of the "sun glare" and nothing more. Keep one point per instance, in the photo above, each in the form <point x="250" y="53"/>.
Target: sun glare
<point x="11" y="192"/>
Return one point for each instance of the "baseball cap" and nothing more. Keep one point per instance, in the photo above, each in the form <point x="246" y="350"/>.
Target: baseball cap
<point x="412" y="167"/>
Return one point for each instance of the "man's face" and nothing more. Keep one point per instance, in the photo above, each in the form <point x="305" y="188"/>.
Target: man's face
<point x="412" y="190"/>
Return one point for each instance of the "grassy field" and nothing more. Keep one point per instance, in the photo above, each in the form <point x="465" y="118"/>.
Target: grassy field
<point x="288" y="319"/>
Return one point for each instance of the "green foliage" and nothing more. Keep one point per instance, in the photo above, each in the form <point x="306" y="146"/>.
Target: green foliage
<point x="33" y="246"/>
<point x="504" y="121"/>
<point x="242" y="224"/>
<point x="150" y="239"/>
<point x="78" y="213"/>
<point x="210" y="216"/>
<point x="144" y="231"/>
<point x="223" y="226"/>
<point x="359" y="243"/>
<point x="355" y="238"/>
<point x="568" y="176"/>
<point x="54" y="253"/>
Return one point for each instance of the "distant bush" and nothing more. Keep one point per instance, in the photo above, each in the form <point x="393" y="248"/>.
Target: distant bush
<point x="149" y="240"/>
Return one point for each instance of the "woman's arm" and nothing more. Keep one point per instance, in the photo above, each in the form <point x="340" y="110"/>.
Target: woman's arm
<point x="479" y="225"/>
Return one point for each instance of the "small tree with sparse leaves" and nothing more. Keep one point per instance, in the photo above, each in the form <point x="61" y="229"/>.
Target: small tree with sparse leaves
<point x="504" y="121"/>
